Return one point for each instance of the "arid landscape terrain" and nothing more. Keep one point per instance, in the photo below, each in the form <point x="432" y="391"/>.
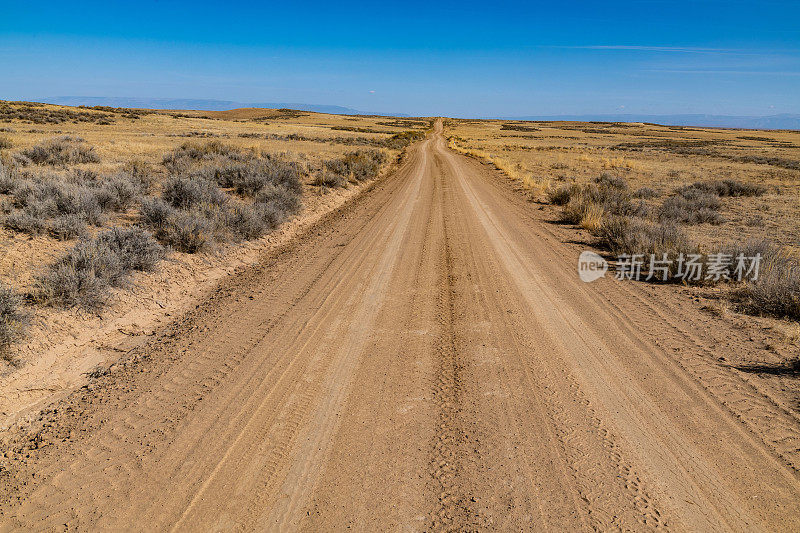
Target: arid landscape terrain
<point x="266" y="319"/>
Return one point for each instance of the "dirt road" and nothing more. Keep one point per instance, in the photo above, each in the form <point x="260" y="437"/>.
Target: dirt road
<point x="427" y="359"/>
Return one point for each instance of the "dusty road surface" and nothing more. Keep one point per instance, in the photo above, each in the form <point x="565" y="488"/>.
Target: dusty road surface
<point x="427" y="359"/>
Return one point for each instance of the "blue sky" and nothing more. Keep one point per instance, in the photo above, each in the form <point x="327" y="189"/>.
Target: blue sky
<point x="450" y="58"/>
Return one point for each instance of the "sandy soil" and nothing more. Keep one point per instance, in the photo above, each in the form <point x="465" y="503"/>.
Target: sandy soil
<point x="425" y="359"/>
<point x="63" y="347"/>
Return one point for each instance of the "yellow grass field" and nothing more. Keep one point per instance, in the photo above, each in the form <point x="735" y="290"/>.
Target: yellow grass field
<point x="122" y="136"/>
<point x="543" y="155"/>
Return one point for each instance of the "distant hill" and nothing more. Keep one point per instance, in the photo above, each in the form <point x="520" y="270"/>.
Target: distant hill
<point x="771" y="122"/>
<point x="202" y="105"/>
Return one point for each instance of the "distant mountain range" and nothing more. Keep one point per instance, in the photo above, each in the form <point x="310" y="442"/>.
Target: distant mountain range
<point x="771" y="122"/>
<point x="200" y="104"/>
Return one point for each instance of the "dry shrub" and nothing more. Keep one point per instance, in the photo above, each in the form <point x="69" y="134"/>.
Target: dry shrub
<point x="586" y="205"/>
<point x="66" y="227"/>
<point x="623" y="235"/>
<point x="617" y="163"/>
<point x="645" y="193"/>
<point x="536" y="186"/>
<point x="249" y="177"/>
<point x="140" y="172"/>
<point x="8" y="179"/>
<point x="692" y="206"/>
<point x="232" y="168"/>
<point x="83" y="276"/>
<point x="723" y="188"/>
<point x="330" y="179"/>
<point x="353" y="167"/>
<point x="609" y="181"/>
<point x="135" y="247"/>
<point x="577" y="208"/>
<point x="398" y="141"/>
<point x="155" y="212"/>
<point x="5" y="142"/>
<point x="184" y="231"/>
<point x="40" y="114"/>
<point x="283" y="198"/>
<point x="62" y="150"/>
<point x="187" y="231"/>
<point x="193" y="213"/>
<point x="776" y="290"/>
<point x="61" y="205"/>
<point x="561" y="195"/>
<point x="185" y="193"/>
<point x="193" y="152"/>
<point x="13" y="321"/>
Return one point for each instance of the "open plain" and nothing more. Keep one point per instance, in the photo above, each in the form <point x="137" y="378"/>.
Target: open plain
<point x="424" y="357"/>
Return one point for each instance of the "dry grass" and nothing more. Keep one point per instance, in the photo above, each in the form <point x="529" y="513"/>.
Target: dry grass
<point x="753" y="173"/>
<point x="644" y="188"/>
<point x="534" y="185"/>
<point x="119" y="182"/>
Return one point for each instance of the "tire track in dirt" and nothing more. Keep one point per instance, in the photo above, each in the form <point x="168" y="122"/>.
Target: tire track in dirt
<point x="452" y="510"/>
<point x="706" y="474"/>
<point x="425" y="360"/>
<point x="582" y="472"/>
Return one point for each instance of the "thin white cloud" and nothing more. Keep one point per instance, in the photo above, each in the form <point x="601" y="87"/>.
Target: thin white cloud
<point x="742" y="72"/>
<point x="643" y="48"/>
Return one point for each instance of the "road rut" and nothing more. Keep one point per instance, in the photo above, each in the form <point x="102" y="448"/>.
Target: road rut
<point x="425" y="359"/>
